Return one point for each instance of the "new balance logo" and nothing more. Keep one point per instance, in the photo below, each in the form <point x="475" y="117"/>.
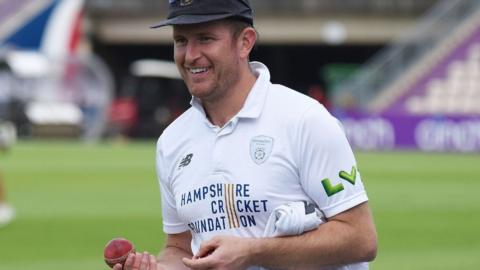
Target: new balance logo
<point x="186" y="2"/>
<point x="185" y="161"/>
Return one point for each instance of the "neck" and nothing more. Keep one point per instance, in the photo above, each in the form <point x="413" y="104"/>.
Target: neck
<point x="221" y="110"/>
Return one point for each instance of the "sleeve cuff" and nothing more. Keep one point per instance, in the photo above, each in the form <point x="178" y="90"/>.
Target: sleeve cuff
<point x="346" y="204"/>
<point x="174" y="228"/>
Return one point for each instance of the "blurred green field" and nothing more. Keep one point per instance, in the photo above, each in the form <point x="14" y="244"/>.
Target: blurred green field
<point x="72" y="198"/>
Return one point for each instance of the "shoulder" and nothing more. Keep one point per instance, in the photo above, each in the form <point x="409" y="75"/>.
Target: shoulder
<point x="303" y="115"/>
<point x="282" y="93"/>
<point x="176" y="132"/>
<point x="286" y="102"/>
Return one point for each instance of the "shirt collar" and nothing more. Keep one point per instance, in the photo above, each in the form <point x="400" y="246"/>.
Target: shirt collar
<point x="253" y="105"/>
<point x="256" y="98"/>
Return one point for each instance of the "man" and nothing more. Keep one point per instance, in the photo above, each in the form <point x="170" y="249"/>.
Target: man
<point x="245" y="147"/>
<point x="7" y="138"/>
<point x="7" y="213"/>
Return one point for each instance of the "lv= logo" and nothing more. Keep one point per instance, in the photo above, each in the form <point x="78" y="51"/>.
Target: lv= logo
<point x="331" y="189"/>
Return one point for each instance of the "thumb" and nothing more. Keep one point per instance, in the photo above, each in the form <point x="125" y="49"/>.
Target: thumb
<point x="117" y="267"/>
<point x="205" y="250"/>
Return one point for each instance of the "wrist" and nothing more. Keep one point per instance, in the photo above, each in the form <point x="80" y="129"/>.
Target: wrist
<point x="255" y="251"/>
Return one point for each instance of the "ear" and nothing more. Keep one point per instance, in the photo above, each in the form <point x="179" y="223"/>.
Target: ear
<point x="247" y="40"/>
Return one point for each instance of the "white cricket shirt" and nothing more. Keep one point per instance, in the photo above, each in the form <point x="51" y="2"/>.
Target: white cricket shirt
<point x="282" y="146"/>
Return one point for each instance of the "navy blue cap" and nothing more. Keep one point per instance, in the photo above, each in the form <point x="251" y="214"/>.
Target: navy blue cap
<point x="201" y="11"/>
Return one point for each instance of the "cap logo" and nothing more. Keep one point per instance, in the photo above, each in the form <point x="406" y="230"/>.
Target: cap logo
<point x="186" y="2"/>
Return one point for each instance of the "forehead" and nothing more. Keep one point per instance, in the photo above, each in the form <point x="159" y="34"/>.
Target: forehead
<point x="209" y="27"/>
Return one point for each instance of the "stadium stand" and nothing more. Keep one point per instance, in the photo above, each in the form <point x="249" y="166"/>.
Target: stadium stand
<point x="279" y="21"/>
<point x="421" y="92"/>
<point x="457" y="93"/>
<point x="431" y="70"/>
<point x="306" y="43"/>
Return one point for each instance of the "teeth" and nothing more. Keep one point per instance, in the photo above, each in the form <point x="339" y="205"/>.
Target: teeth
<point x="197" y="70"/>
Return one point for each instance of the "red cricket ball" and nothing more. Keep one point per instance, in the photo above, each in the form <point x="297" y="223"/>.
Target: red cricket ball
<point x="117" y="251"/>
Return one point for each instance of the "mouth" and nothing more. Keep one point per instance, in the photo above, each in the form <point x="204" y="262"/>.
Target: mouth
<point x="198" y="70"/>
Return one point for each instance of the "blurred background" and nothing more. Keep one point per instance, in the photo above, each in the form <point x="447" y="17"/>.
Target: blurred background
<point x="86" y="87"/>
<point x="94" y="69"/>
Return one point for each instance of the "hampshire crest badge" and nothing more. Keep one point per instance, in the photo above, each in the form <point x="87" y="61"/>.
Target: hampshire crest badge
<point x="260" y="148"/>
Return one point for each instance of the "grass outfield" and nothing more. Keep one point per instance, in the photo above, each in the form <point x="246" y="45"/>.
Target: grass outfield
<point x="72" y="198"/>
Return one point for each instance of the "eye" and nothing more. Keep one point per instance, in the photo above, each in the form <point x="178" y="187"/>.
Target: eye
<point x="180" y="41"/>
<point x="205" y="39"/>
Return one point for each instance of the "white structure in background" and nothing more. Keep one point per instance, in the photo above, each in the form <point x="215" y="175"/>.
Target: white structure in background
<point x="65" y="91"/>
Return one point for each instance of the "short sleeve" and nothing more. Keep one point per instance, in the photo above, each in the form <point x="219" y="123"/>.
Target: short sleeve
<point x="172" y="223"/>
<point x="328" y="171"/>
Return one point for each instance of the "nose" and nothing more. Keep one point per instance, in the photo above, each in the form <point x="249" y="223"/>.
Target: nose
<point x="192" y="53"/>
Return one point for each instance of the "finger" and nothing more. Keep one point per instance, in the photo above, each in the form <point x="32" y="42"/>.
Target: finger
<point x="188" y="263"/>
<point x="128" y="265"/>
<point x="153" y="262"/>
<point x="197" y="264"/>
<point x="137" y="261"/>
<point x="117" y="267"/>
<point x="205" y="250"/>
<point x="144" y="262"/>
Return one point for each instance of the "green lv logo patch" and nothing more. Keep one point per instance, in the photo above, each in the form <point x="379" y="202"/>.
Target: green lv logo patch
<point x="330" y="189"/>
<point x="349" y="177"/>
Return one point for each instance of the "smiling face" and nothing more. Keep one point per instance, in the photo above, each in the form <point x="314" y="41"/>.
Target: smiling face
<point x="208" y="57"/>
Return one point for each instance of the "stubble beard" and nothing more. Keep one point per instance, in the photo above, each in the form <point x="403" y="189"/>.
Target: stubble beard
<point x="221" y="88"/>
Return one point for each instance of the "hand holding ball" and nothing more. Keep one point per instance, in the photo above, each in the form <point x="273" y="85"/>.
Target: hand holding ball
<point x="117" y="251"/>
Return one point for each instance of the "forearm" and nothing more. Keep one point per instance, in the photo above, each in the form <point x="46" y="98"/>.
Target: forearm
<point x="335" y="242"/>
<point x="171" y="258"/>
